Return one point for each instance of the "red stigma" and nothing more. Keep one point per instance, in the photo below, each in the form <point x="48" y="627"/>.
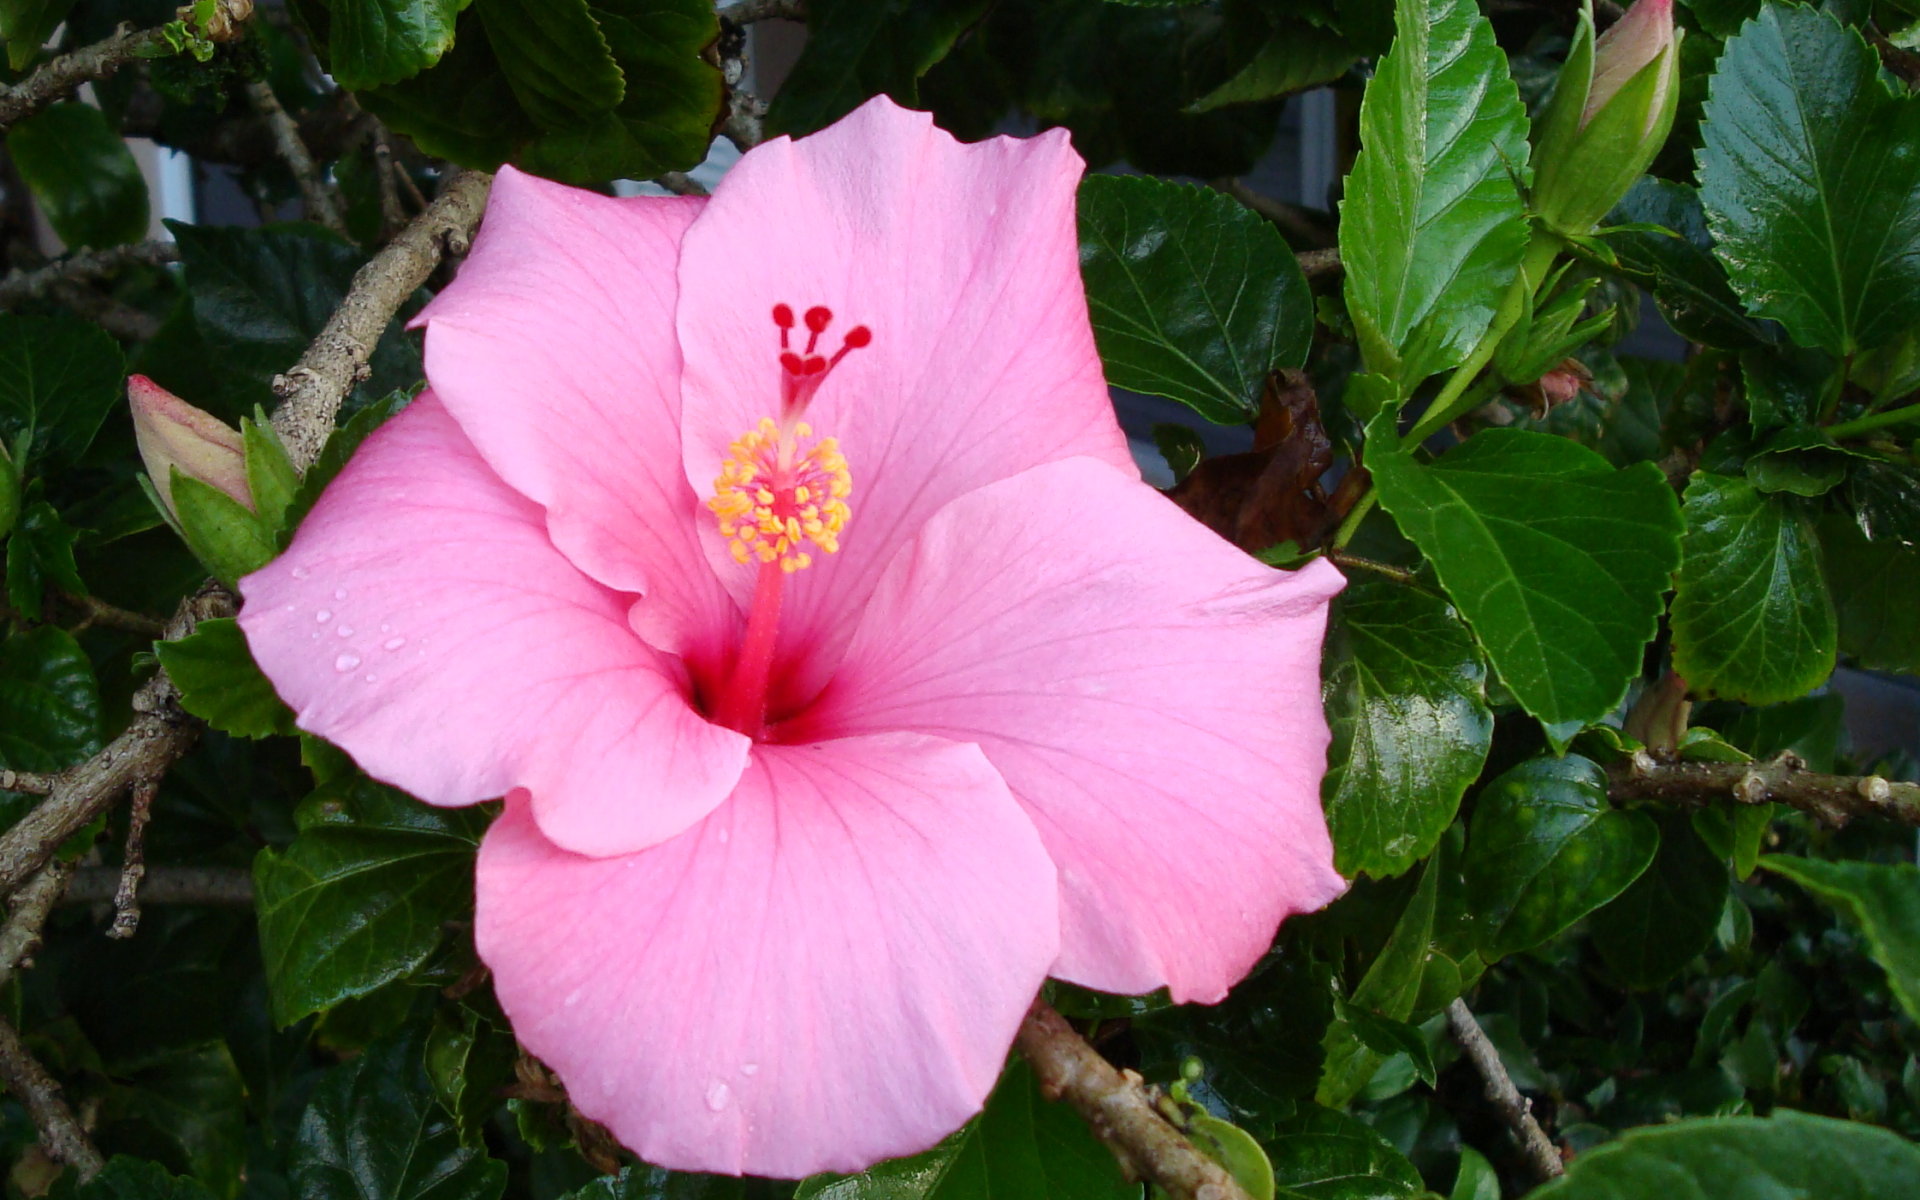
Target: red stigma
<point x="857" y="337"/>
<point x="818" y="318"/>
<point x="805" y="369"/>
<point x="783" y="316"/>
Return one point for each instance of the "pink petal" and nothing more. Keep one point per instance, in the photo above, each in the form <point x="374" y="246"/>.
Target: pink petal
<point x="825" y="972"/>
<point x="555" y="350"/>
<point x="964" y="263"/>
<point x="422" y="621"/>
<point x="1151" y="695"/>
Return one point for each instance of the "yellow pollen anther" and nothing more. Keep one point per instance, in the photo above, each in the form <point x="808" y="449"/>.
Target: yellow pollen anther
<point x="774" y="497"/>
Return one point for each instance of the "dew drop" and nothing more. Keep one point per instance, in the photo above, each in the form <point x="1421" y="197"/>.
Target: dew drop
<point x="718" y="1094"/>
<point x="301" y="572"/>
<point x="573" y="997"/>
<point x="393" y="643"/>
<point x="385" y="628"/>
<point x="323" y="616"/>
<point x="339" y="593"/>
<point x="345" y="631"/>
<point x="346" y="662"/>
<point x="370" y="677"/>
<point x="749" y="1069"/>
<point x="726" y="835"/>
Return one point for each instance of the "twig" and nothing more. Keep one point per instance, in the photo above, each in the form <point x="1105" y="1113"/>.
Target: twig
<point x="31" y="782"/>
<point x="1340" y="558"/>
<point x="133" y="862"/>
<point x="313" y="389"/>
<point x="60" y="1134"/>
<point x="27" y="916"/>
<point x="321" y="203"/>
<point x="1321" y="264"/>
<point x="1832" y="799"/>
<point x="161" y="885"/>
<point x="1514" y="1108"/>
<point x="680" y="184"/>
<point x="95" y="611"/>
<point x="1298" y="224"/>
<point x="746" y="12"/>
<point x="746" y="116"/>
<point x="392" y="216"/>
<point x="58" y="77"/>
<point x="86" y="266"/>
<point x="1120" y="1109"/>
<point x="158" y="734"/>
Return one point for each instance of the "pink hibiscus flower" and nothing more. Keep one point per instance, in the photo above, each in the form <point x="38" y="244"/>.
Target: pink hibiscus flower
<point x="778" y="558"/>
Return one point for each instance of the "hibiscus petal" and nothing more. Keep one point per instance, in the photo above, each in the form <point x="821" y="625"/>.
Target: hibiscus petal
<point x="554" y="348"/>
<point x="1150" y="694"/>
<point x="825" y="972"/>
<point x="423" y="622"/>
<point x="964" y="262"/>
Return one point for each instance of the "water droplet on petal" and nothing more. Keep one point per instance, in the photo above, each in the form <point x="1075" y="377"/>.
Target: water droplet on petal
<point x="370" y="677"/>
<point x="346" y="662"/>
<point x="573" y="997"/>
<point x="726" y="835"/>
<point x="385" y="628"/>
<point x="394" y="643"/>
<point x="301" y="572"/>
<point x="345" y="631"/>
<point x="718" y="1093"/>
<point x="749" y="1069"/>
<point x="323" y="616"/>
<point x="339" y="593"/>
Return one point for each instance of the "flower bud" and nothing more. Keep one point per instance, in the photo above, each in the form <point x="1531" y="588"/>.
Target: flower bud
<point x="1609" y="116"/>
<point x="173" y="433"/>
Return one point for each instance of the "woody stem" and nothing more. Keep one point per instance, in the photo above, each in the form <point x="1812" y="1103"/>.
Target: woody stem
<point x="743" y="705"/>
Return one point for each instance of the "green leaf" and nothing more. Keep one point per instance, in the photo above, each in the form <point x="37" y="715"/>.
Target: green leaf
<point x="1669" y="915"/>
<point x="1884" y="900"/>
<point x="371" y="42"/>
<point x="341" y="444"/>
<point x="1810" y="175"/>
<point x="555" y="58"/>
<point x="658" y="1183"/>
<point x="227" y="538"/>
<point x="1387" y="1037"/>
<point x="359" y="897"/>
<point x="1787" y="1154"/>
<point x="1021" y="1145"/>
<point x="469" y="1062"/>
<point x="1751" y="616"/>
<point x="25" y="25"/>
<point x="1545" y="848"/>
<point x="59" y="377"/>
<point x="373" y="1129"/>
<point x="1390" y="989"/>
<point x="1477" y="1179"/>
<point x="1873" y="584"/>
<point x="1687" y="281"/>
<point x="39" y="556"/>
<point x="271" y="478"/>
<point x="1406" y="699"/>
<point x="1292" y="59"/>
<point x="1326" y="1155"/>
<point x="81" y="174"/>
<point x="861" y="48"/>
<point x="1559" y="562"/>
<point x="1192" y="296"/>
<point x="125" y="1178"/>
<point x="220" y="684"/>
<point x="49" y="702"/>
<point x="261" y="295"/>
<point x="1431" y="231"/>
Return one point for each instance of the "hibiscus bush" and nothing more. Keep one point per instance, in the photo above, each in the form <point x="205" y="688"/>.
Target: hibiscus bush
<point x="835" y="599"/>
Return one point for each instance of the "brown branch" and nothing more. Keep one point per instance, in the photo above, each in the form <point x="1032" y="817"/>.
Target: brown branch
<point x="321" y="203"/>
<point x="86" y="266"/>
<point x="27" y="916"/>
<point x="313" y="389"/>
<point x="95" y="611"/>
<point x="158" y="735"/>
<point x="1321" y="264"/>
<point x="1120" y="1109"/>
<point x="746" y="119"/>
<point x="133" y="863"/>
<point x="31" y="782"/>
<point x="57" y="78"/>
<point x="1514" y="1108"/>
<point x="1832" y="799"/>
<point x="680" y="184"/>
<point x="746" y="12"/>
<point x="162" y="885"/>
<point x="60" y="1134"/>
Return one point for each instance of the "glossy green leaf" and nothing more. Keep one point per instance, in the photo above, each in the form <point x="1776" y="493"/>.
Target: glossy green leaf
<point x="1326" y="1155"/>
<point x="1192" y="296"/>
<point x="1292" y="59"/>
<point x="861" y="48"/>
<point x="1687" y="281"/>
<point x="1558" y="561"/>
<point x="1873" y="584"/>
<point x="1723" y="1158"/>
<point x="227" y="538"/>
<point x="1390" y="989"/>
<point x="25" y="25"/>
<point x="1022" y="1145"/>
<point x="1387" y="1037"/>
<point x="1406" y="699"/>
<point x="272" y="480"/>
<point x="658" y="1183"/>
<point x="1655" y="927"/>
<point x="554" y="57"/>
<point x="1431" y="230"/>
<point x="49" y="702"/>
<point x="59" y="377"/>
<point x="1810" y="175"/>
<point x="81" y="174"/>
<point x="40" y="558"/>
<point x="220" y="684"/>
<point x="186" y="1108"/>
<point x="1477" y="1179"/>
<point x="1546" y="848"/>
<point x="126" y="1178"/>
<point x="1751" y="617"/>
<point x="1800" y="460"/>
<point x="359" y="898"/>
<point x="469" y="1062"/>
<point x="1882" y="899"/>
<point x="260" y="296"/>
<point x="371" y="42"/>
<point x="373" y="1129"/>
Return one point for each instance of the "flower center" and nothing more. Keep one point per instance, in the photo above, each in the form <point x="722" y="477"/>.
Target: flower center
<point x="778" y="493"/>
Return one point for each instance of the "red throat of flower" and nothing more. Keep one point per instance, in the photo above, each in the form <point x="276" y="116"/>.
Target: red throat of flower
<point x="778" y="493"/>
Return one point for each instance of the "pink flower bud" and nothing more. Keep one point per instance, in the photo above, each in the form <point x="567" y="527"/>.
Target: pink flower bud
<point x="1625" y="49"/>
<point x="173" y="433"/>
